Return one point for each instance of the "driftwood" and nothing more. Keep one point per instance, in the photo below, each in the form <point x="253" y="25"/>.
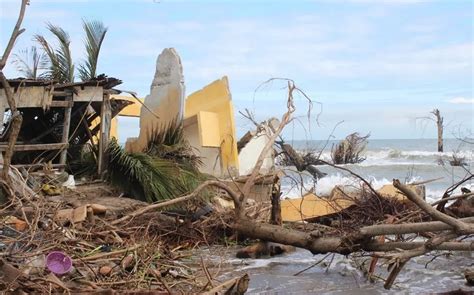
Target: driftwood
<point x="235" y="286"/>
<point x="301" y="163"/>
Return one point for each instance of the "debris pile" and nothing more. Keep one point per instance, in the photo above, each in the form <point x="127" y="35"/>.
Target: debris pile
<point x="63" y="244"/>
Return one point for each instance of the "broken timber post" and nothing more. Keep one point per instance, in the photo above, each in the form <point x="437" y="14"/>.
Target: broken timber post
<point x="66" y="126"/>
<point x="275" y="217"/>
<point x="105" y="121"/>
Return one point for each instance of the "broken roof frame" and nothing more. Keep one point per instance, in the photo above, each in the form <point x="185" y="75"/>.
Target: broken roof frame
<point x="46" y="94"/>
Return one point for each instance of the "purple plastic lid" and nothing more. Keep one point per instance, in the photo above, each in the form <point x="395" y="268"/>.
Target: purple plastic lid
<point x="58" y="262"/>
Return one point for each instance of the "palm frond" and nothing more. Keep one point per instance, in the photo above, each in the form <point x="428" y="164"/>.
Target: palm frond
<point x="171" y="144"/>
<point x="63" y="52"/>
<point x="61" y="66"/>
<point x="95" y="34"/>
<point x="52" y="60"/>
<point x="30" y="62"/>
<point x="147" y="177"/>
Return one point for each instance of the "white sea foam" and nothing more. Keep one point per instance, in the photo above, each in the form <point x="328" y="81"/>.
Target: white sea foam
<point x="325" y="185"/>
<point x="400" y="157"/>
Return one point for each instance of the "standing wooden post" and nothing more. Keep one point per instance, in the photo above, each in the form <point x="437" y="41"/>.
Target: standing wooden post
<point x="105" y="121"/>
<point x="275" y="217"/>
<point x="439" y="124"/>
<point x="66" y="126"/>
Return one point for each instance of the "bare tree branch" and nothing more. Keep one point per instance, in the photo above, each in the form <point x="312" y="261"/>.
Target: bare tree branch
<point x="458" y="225"/>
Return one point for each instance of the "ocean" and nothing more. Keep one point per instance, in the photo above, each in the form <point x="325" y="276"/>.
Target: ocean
<point x="409" y="160"/>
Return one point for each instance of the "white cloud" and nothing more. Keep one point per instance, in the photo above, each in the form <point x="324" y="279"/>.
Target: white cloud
<point x="307" y="47"/>
<point x="461" y="100"/>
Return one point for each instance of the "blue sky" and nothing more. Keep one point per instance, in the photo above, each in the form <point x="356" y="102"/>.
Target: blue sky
<point x="376" y="65"/>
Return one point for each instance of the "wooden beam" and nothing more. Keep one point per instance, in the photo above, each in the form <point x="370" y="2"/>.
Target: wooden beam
<point x="61" y="104"/>
<point x="39" y="165"/>
<point x="66" y="126"/>
<point x="35" y="147"/>
<point x="61" y="93"/>
<point x="104" y="135"/>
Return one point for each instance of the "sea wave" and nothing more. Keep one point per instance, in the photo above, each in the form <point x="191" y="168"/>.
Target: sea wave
<point x="403" y="157"/>
<point x="325" y="185"/>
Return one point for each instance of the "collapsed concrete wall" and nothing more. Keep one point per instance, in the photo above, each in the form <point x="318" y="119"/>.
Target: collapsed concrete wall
<point x="210" y="128"/>
<point x="252" y="149"/>
<point x="164" y="105"/>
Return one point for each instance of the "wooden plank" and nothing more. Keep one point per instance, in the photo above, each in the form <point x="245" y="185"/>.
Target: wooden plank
<point x="61" y="104"/>
<point x="39" y="165"/>
<point x="61" y="93"/>
<point x="65" y="135"/>
<point x="88" y="93"/>
<point x="104" y="135"/>
<point x="35" y="147"/>
<point x="27" y="97"/>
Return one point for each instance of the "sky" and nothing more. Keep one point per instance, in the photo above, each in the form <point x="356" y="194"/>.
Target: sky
<point x="368" y="66"/>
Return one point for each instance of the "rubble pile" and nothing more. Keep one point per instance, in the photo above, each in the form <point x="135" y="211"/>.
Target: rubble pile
<point x="69" y="243"/>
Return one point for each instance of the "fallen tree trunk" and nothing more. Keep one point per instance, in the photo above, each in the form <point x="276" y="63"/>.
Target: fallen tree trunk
<point x="278" y="234"/>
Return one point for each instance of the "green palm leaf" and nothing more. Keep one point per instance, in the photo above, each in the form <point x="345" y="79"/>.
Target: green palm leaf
<point x="95" y="34"/>
<point x="147" y="177"/>
<point x="61" y="66"/>
<point x="30" y="62"/>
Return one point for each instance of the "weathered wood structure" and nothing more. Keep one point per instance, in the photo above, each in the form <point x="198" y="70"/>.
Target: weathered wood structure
<point x="59" y="116"/>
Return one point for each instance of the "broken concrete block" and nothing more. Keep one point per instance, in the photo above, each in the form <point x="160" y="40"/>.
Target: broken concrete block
<point x="312" y="206"/>
<point x="390" y="191"/>
<point x="76" y="215"/>
<point x="98" y="209"/>
<point x="165" y="103"/>
<point x="79" y="214"/>
<point x="64" y="215"/>
<point x="249" y="154"/>
<point x="18" y="224"/>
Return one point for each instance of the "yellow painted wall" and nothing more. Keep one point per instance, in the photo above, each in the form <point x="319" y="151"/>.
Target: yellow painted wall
<point x="216" y="98"/>
<point x="132" y="110"/>
<point x="209" y="129"/>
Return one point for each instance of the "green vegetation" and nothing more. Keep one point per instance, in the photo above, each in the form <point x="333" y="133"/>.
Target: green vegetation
<point x="165" y="170"/>
<point x="55" y="61"/>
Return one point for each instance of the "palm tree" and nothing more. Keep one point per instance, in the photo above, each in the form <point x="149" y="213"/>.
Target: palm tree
<point x="95" y="34"/>
<point x="30" y="62"/>
<point x="61" y="66"/>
